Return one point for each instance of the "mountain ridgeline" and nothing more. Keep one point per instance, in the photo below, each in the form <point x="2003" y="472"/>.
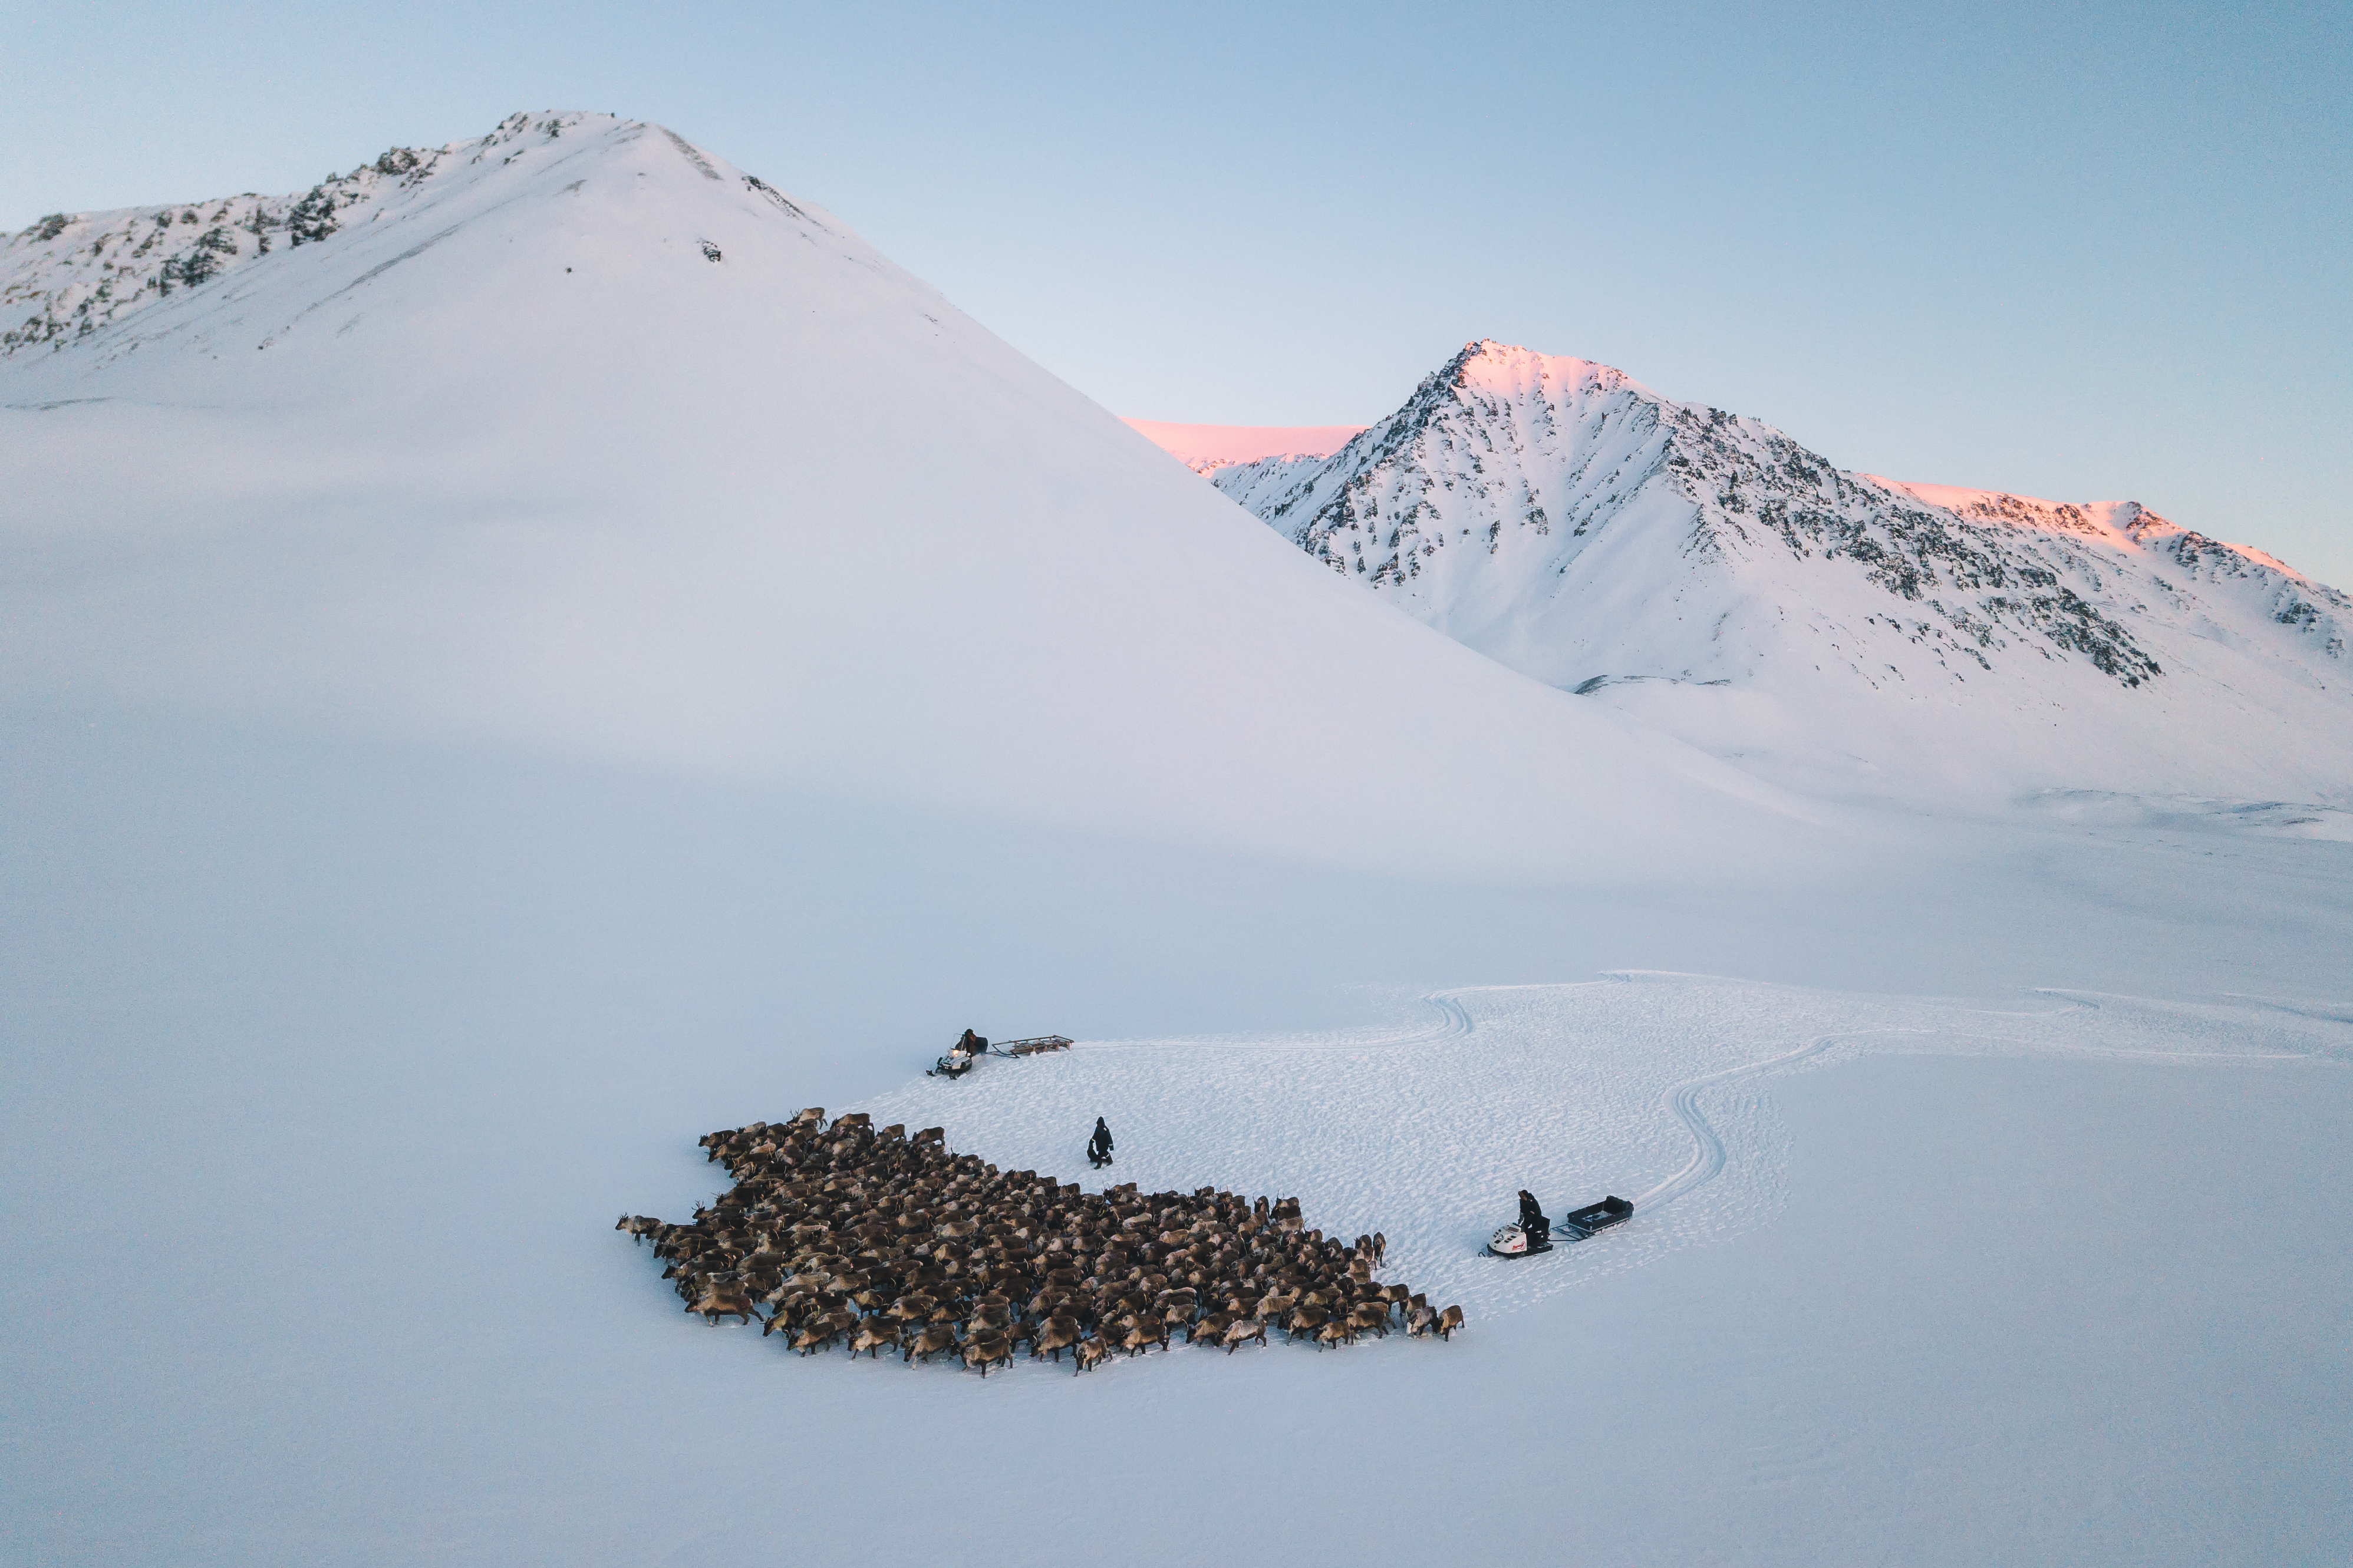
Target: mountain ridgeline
<point x="77" y="274"/>
<point x="1570" y="523"/>
<point x="1530" y="505"/>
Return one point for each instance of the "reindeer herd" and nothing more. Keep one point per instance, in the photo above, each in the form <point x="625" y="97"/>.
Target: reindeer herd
<point x="850" y="1234"/>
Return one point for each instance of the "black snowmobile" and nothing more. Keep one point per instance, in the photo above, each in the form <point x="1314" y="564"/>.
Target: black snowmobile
<point x="1535" y="1234"/>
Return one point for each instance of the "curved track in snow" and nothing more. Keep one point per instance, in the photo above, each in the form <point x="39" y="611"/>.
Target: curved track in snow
<point x="1707" y="1154"/>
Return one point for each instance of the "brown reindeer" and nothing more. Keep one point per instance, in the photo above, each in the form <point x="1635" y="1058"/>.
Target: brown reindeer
<point x="1336" y="1332"/>
<point x="1242" y="1329"/>
<point x="821" y="1333"/>
<point x="872" y="1335"/>
<point x="1420" y="1320"/>
<point x="1369" y="1318"/>
<point x="984" y="1350"/>
<point x="938" y="1340"/>
<point x="1088" y="1355"/>
<point x="723" y="1301"/>
<point x="1211" y="1329"/>
<point x="1053" y="1337"/>
<point x="1449" y="1321"/>
<point x="640" y="1227"/>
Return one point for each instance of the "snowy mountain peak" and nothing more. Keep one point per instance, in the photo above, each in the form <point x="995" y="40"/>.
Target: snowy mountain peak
<point x="1573" y="523"/>
<point x="1507" y="370"/>
<point x="67" y="279"/>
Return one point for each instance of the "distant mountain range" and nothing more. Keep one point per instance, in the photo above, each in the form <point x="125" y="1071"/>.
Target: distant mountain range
<point x="575" y="433"/>
<point x="1568" y="521"/>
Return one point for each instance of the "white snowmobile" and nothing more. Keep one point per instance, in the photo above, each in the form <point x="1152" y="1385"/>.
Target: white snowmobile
<point x="1513" y="1241"/>
<point x="1517" y="1241"/>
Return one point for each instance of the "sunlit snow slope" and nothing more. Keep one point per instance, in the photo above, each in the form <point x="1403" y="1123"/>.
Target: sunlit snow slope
<point x="1707" y="572"/>
<point x="577" y="437"/>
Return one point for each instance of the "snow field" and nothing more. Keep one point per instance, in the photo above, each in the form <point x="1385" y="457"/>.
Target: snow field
<point x="411" y="1030"/>
<point x="1651" y="1086"/>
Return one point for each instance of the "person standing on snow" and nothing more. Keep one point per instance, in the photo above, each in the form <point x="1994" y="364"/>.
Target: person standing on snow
<point x="1099" y="1146"/>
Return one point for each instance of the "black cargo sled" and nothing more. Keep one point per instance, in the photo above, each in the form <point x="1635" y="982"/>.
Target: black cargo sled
<point x="1513" y="1241"/>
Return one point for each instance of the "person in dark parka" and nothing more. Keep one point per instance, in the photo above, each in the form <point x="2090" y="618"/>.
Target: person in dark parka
<point x="1533" y="1221"/>
<point x="1099" y="1146"/>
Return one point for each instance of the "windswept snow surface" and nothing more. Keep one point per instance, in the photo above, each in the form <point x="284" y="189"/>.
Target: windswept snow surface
<point x="581" y="651"/>
<point x="1843" y="633"/>
<point x="577" y="436"/>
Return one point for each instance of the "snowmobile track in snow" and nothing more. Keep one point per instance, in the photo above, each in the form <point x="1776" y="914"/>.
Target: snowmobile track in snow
<point x="1707" y="1157"/>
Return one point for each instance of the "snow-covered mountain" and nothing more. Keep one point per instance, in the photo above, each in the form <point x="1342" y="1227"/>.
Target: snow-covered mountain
<point x="1709" y="572"/>
<point x="576" y="436"/>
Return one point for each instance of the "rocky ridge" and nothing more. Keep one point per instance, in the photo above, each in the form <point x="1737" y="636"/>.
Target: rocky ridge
<point x="1525" y="503"/>
<point x="74" y="274"/>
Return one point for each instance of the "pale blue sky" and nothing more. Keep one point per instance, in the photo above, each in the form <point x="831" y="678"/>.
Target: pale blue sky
<point x="2082" y="251"/>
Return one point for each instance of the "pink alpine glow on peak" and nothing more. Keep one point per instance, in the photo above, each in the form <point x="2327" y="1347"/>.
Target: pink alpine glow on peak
<point x="1202" y="447"/>
<point x="2121" y="523"/>
<point x="1507" y="368"/>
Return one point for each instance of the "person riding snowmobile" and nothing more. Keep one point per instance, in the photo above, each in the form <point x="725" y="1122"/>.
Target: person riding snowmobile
<point x="1533" y="1221"/>
<point x="1099" y="1146"/>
